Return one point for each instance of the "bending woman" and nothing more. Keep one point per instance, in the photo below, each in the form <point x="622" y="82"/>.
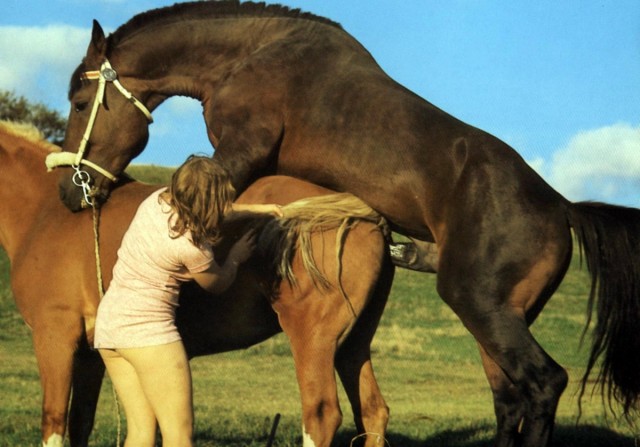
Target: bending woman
<point x="170" y="241"/>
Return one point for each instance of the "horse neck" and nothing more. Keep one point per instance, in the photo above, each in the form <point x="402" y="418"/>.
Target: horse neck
<point x="25" y="190"/>
<point x="161" y="66"/>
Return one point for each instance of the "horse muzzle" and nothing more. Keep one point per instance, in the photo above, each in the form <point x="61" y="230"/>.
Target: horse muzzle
<point x="79" y="198"/>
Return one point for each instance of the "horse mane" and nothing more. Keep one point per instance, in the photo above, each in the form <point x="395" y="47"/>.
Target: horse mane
<point x="208" y="9"/>
<point x="29" y="132"/>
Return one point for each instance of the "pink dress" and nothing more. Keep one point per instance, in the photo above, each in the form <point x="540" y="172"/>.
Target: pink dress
<point x="139" y="307"/>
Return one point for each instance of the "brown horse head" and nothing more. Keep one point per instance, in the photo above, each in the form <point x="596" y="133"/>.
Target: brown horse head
<point x="108" y="115"/>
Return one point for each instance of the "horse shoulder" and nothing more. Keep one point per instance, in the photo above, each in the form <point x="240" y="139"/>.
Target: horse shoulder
<point x="50" y="269"/>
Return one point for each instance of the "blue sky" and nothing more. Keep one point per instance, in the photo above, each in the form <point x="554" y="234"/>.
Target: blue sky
<point x="557" y="80"/>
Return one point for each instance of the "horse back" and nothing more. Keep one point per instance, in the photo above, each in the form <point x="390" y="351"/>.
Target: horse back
<point x="281" y="190"/>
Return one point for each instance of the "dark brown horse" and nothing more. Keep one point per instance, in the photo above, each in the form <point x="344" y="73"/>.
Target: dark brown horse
<point x="291" y="93"/>
<point x="53" y="278"/>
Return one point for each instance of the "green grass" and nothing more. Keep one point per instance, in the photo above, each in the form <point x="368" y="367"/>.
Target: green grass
<point x="159" y="175"/>
<point x="426" y="363"/>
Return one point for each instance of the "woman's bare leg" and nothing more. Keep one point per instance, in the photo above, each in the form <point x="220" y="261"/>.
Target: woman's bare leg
<point x="141" y="421"/>
<point x="165" y="377"/>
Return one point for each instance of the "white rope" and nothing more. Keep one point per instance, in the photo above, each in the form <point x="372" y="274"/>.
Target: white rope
<point x="379" y="438"/>
<point x="96" y="240"/>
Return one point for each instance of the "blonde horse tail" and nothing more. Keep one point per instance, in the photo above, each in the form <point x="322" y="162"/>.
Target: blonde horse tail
<point x="302" y="218"/>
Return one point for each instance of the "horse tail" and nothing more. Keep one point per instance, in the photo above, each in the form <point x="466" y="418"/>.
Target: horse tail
<point x="609" y="239"/>
<point x="302" y="218"/>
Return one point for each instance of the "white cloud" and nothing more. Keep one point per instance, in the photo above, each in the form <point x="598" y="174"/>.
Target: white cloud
<point x="600" y="164"/>
<point x="37" y="62"/>
<point x="184" y="105"/>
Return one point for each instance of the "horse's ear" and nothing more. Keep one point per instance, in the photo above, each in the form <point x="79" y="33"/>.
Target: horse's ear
<point x="98" y="46"/>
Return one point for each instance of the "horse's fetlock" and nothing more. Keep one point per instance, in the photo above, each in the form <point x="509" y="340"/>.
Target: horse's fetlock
<point x="53" y="422"/>
<point x="323" y="413"/>
<point x="321" y="421"/>
<point x="375" y="418"/>
<point x="54" y="440"/>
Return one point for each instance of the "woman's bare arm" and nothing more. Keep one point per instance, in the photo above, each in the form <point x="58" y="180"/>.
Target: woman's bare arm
<point x="266" y="208"/>
<point x="217" y="278"/>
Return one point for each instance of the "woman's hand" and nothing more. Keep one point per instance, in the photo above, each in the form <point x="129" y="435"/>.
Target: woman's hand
<point x="216" y="279"/>
<point x="242" y="249"/>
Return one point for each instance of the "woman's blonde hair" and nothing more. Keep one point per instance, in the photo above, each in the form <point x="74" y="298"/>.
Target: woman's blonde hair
<point x="200" y="194"/>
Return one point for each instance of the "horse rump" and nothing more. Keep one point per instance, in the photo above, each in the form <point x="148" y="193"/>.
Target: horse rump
<point x="280" y="238"/>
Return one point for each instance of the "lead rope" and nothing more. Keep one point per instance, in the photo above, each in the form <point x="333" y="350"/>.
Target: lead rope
<point x="379" y="438"/>
<point x="83" y="180"/>
<point x="96" y="243"/>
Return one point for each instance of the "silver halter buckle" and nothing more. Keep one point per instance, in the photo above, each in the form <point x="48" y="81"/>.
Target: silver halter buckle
<point x="109" y="74"/>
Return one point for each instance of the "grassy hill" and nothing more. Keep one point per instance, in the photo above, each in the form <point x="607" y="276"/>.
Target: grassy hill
<point x="154" y="174"/>
<point x="427" y="365"/>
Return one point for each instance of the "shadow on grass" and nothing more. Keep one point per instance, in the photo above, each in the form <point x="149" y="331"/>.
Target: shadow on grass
<point x="564" y="436"/>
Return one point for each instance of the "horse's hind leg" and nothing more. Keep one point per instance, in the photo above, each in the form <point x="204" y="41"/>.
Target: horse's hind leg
<point x="538" y="378"/>
<point x="309" y="324"/>
<point x="509" y="404"/>
<point x="370" y="410"/>
<point x="492" y="293"/>
<point x="316" y="322"/>
<point x="88" y="372"/>
<point x="353" y="363"/>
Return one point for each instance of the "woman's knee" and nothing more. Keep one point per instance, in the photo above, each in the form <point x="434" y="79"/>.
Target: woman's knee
<point x="175" y="436"/>
<point x="139" y="438"/>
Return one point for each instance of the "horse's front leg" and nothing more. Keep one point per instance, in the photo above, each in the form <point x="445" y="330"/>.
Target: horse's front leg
<point x="55" y="339"/>
<point x="88" y="372"/>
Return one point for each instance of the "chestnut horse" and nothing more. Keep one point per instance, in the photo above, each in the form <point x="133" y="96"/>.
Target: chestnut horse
<point x="291" y="93"/>
<point x="53" y="278"/>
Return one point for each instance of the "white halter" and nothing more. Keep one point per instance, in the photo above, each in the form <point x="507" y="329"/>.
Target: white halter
<point x="81" y="178"/>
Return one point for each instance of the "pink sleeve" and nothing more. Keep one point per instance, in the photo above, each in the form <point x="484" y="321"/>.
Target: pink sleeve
<point x="196" y="259"/>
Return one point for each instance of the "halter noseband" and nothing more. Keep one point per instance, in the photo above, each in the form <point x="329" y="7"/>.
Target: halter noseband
<point x="81" y="178"/>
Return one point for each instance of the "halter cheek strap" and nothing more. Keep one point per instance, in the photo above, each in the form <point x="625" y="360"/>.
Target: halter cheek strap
<point x="104" y="75"/>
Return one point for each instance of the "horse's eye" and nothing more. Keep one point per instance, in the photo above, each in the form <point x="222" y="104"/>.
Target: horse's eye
<point x="80" y="106"/>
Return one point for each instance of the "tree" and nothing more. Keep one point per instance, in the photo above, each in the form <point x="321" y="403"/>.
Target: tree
<point x="18" y="108"/>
